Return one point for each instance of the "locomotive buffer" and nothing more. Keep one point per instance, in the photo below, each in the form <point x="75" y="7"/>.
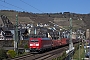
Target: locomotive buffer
<point x="71" y="48"/>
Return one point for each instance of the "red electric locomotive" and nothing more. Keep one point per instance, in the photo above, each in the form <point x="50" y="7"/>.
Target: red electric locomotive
<point x="39" y="44"/>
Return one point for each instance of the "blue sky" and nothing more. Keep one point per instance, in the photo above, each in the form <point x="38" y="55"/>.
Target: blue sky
<point x="47" y="6"/>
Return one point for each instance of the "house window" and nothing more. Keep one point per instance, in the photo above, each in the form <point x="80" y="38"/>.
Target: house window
<point x="2" y="37"/>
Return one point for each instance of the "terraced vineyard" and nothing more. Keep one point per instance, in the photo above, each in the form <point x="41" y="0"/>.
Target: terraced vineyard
<point x="62" y="19"/>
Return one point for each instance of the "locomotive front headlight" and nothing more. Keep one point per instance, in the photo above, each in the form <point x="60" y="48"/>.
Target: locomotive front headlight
<point x="37" y="44"/>
<point x="31" y="44"/>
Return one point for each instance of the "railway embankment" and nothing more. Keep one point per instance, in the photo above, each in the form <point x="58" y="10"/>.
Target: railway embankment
<point x="9" y="44"/>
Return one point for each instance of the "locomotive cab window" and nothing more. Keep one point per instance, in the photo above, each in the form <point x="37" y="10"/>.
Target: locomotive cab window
<point x="34" y="41"/>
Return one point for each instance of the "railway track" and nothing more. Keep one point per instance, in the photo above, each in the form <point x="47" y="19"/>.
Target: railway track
<point x="44" y="56"/>
<point x="49" y="55"/>
<point x="52" y="54"/>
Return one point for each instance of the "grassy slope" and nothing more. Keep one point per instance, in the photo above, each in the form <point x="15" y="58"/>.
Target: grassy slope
<point x="41" y="18"/>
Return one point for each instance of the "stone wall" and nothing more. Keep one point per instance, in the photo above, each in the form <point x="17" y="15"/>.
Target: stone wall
<point x="10" y="43"/>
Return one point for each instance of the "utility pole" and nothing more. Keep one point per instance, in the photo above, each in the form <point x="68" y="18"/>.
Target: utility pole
<point x="79" y="42"/>
<point x="70" y="41"/>
<point x="16" y="36"/>
<point x="71" y="48"/>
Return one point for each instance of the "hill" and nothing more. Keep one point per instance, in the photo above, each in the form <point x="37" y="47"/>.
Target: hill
<point x="60" y="19"/>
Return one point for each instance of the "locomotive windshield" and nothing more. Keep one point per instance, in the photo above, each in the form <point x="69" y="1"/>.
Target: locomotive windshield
<point x="34" y="41"/>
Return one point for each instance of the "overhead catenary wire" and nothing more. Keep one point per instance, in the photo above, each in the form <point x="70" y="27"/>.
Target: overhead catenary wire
<point x="4" y="6"/>
<point x="13" y="5"/>
<point x="31" y="6"/>
<point x="20" y="7"/>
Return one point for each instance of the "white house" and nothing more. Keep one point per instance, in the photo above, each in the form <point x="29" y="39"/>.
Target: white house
<point x="1" y="34"/>
<point x="5" y="34"/>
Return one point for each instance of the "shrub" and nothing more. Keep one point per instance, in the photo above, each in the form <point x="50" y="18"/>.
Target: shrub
<point x="11" y="53"/>
<point x="3" y="54"/>
<point x="26" y="46"/>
